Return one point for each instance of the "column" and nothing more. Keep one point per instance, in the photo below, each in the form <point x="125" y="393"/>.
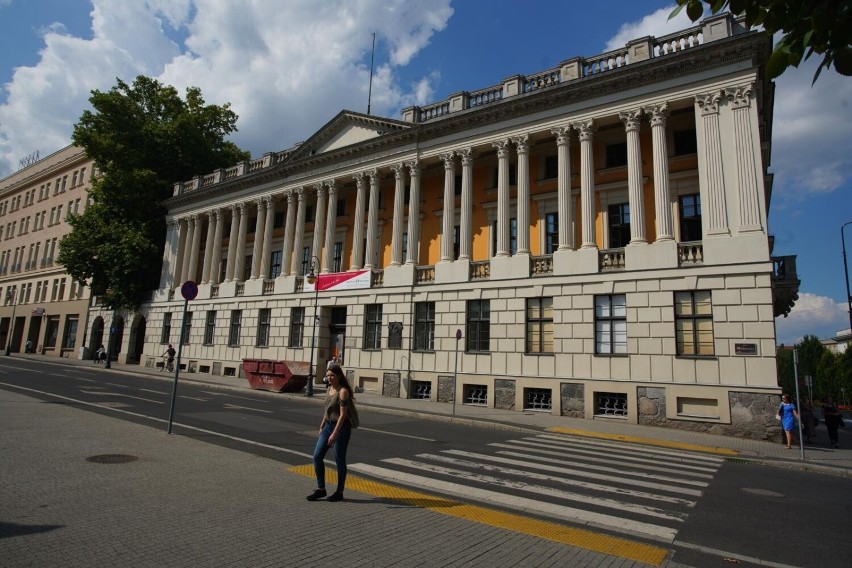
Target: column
<point x="564" y="203"/>
<point x="414" y="214"/>
<point x="197" y="221"/>
<point x="231" y="260"/>
<point x="372" y="220"/>
<point x="587" y="182"/>
<point x="658" y="115"/>
<point x="240" y="265"/>
<point x="748" y="193"/>
<point x="502" y="197"/>
<point x="712" y="179"/>
<point x="289" y="230"/>
<point x="398" y="212"/>
<point x="449" y="214"/>
<point x="319" y="224"/>
<point x="358" y="223"/>
<point x="187" y="250"/>
<point x="266" y="254"/>
<point x="299" y="239"/>
<point x="522" y="145"/>
<point x="257" y="248"/>
<point x="216" y="261"/>
<point x="331" y="222"/>
<point x="177" y="269"/>
<point x="465" y="227"/>
<point x="208" y="249"/>
<point x="636" y="199"/>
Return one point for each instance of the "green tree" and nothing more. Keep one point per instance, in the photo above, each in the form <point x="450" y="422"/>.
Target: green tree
<point x="828" y="376"/>
<point x="810" y="351"/>
<point x="784" y="361"/>
<point x="143" y="138"/>
<point x="823" y="27"/>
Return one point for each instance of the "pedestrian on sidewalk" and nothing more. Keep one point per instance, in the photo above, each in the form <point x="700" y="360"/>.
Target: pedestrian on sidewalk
<point x="809" y="421"/>
<point x="832" y="418"/>
<point x="338" y="419"/>
<point x="789" y="415"/>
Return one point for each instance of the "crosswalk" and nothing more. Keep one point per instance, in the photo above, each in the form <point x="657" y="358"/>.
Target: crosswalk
<point x="626" y="488"/>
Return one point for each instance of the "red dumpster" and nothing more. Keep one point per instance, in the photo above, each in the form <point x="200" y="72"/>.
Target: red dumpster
<point x="278" y="376"/>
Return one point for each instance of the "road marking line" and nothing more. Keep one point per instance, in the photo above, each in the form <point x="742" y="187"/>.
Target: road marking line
<point x="580" y="538"/>
<point x="397" y="434"/>
<point x="558" y="479"/>
<point x="632" y="448"/>
<point x="123" y="396"/>
<point x="227" y="405"/>
<point x="602" y="502"/>
<point x="616" y="454"/>
<point x="734" y="555"/>
<point x="154" y="391"/>
<point x="573" y="471"/>
<point x="644" y="441"/>
<point x="235" y="396"/>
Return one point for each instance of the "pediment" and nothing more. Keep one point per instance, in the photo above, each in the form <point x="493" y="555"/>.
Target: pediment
<point x="347" y="129"/>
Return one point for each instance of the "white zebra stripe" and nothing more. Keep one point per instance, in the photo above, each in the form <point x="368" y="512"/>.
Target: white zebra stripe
<point x="633" y="448"/>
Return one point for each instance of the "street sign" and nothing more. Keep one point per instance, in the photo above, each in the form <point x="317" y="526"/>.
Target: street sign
<point x="189" y="290"/>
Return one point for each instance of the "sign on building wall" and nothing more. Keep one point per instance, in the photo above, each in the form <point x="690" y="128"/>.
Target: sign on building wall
<point x="395" y="335"/>
<point x="354" y="280"/>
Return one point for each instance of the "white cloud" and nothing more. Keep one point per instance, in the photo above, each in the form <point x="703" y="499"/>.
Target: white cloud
<point x="286" y="68"/>
<point x="656" y="24"/>
<point x="812" y="315"/>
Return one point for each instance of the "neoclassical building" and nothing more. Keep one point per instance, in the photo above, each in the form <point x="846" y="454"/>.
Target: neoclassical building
<point x="588" y="241"/>
<point x="39" y="302"/>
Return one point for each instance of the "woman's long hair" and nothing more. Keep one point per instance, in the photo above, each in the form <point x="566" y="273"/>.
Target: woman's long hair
<point x="342" y="380"/>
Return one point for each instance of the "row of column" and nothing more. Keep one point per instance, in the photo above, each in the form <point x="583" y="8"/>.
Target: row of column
<point x="189" y="230"/>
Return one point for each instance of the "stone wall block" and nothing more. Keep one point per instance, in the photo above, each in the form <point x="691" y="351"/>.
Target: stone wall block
<point x="390" y="385"/>
<point x="504" y="394"/>
<point x="573" y="400"/>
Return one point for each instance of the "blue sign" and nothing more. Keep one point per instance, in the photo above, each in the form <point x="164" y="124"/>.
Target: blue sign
<point x="189" y="290"/>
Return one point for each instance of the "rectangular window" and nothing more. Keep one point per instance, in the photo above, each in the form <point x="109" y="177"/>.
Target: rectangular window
<point x="70" y="336"/>
<point x="278" y="220"/>
<point x="234" y="331"/>
<point x="337" y="259"/>
<point x="424" y="326"/>
<point x="209" y="327"/>
<point x="619" y="225"/>
<point x="690" y="217"/>
<point x="275" y="264"/>
<point x="551" y="233"/>
<point x="247" y="268"/>
<point x="167" y="327"/>
<point x="187" y="328"/>
<point x="341" y="208"/>
<point x="306" y="260"/>
<point x="264" y="322"/>
<point x="297" y="327"/>
<point x="616" y="155"/>
<point x="52" y="331"/>
<point x="513" y="236"/>
<point x="611" y="324"/>
<point x="539" y="325"/>
<point x="373" y="327"/>
<point x="685" y="142"/>
<point x="694" y="323"/>
<point x="551" y="167"/>
<point x="478" y="326"/>
<point x="457" y="186"/>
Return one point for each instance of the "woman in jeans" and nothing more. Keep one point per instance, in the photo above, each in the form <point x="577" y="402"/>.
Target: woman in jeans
<point x="335" y="430"/>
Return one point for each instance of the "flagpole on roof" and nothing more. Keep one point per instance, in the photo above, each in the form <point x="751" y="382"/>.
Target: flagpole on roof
<point x="372" y="57"/>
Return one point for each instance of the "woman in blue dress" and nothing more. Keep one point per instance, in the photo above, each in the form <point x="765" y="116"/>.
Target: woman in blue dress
<point x="789" y="415"/>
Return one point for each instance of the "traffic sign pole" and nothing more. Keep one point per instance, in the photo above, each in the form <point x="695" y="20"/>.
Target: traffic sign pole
<point x="189" y="291"/>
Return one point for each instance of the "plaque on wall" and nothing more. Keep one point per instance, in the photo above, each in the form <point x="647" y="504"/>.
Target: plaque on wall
<point x="395" y="335"/>
<point x="745" y="348"/>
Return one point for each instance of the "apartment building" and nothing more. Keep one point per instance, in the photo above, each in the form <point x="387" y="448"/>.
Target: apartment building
<point x="40" y="305"/>
<point x="589" y="241"/>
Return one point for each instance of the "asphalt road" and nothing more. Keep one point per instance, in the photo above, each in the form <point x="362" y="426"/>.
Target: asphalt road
<point x="710" y="511"/>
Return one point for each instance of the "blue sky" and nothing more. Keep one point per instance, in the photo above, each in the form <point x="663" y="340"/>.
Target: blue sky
<point x="289" y="67"/>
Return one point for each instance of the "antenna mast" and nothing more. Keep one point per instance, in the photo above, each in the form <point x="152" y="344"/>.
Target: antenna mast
<point x="372" y="57"/>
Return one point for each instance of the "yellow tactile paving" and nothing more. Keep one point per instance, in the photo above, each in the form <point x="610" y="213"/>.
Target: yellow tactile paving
<point x="582" y="538"/>
<point x="644" y="441"/>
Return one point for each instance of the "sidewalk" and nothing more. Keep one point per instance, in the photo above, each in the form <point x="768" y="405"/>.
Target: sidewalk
<point x="819" y="456"/>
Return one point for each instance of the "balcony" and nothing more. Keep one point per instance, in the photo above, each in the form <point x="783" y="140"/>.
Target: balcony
<point x="610" y="260"/>
<point x="785" y="285"/>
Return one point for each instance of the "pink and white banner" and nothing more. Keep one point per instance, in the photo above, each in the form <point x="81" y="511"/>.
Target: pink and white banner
<point x="355" y="280"/>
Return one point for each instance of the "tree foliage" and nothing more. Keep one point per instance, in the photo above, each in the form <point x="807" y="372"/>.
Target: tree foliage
<point x="831" y="372"/>
<point x="143" y="138"/>
<point x="823" y="27"/>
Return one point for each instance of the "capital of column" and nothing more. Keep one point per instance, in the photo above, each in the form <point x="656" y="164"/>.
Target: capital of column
<point x="298" y="193"/>
<point x="740" y="96"/>
<point x="260" y="203"/>
<point x="631" y="119"/>
<point x="320" y="189"/>
<point x="449" y="159"/>
<point x="562" y="133"/>
<point x="332" y="188"/>
<point x="372" y="174"/>
<point x="585" y="130"/>
<point x="398" y="171"/>
<point x="290" y="196"/>
<point x="658" y="114"/>
<point x="466" y="155"/>
<point x="708" y="102"/>
<point x="502" y="148"/>
<point x="413" y="167"/>
<point x="195" y="219"/>
<point x="359" y="178"/>
<point x="522" y="143"/>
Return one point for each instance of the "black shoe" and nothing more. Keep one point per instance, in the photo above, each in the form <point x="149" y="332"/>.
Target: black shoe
<point x="336" y="496"/>
<point x="836" y="445"/>
<point x="318" y="494"/>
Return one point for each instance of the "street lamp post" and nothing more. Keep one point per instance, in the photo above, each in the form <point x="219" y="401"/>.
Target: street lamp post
<point x="312" y="279"/>
<point x="11" y="294"/>
<point x="846" y="274"/>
